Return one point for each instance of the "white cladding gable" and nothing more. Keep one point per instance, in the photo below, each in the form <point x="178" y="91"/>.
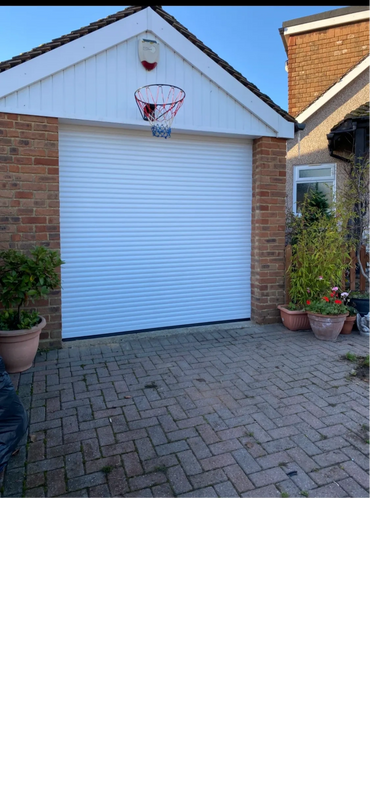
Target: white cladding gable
<point x="101" y="89"/>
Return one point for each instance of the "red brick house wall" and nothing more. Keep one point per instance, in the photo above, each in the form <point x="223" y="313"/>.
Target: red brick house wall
<point x="268" y="228"/>
<point x="318" y="59"/>
<point x="29" y="198"/>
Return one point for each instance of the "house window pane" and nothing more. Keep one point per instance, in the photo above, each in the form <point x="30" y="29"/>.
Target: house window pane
<point x="303" y="188"/>
<point x="317" y="172"/>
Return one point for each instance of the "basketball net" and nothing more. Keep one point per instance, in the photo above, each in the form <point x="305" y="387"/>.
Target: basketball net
<point x="158" y="104"/>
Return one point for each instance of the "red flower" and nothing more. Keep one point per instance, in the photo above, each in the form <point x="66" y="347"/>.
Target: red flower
<point x="326" y="299"/>
<point x="332" y="294"/>
<point x="338" y="301"/>
<point x="308" y="302"/>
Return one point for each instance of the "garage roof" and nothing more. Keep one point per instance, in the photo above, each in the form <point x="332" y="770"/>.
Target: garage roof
<point x="94" y="26"/>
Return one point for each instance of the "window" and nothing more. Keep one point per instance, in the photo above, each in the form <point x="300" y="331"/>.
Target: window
<point x="319" y="176"/>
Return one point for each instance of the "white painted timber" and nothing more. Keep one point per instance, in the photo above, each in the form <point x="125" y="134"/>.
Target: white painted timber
<point x="101" y="88"/>
<point x="154" y="232"/>
<point x="75" y="62"/>
<point x="330" y="22"/>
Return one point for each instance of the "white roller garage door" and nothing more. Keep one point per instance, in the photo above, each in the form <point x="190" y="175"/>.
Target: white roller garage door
<point x="154" y="232"/>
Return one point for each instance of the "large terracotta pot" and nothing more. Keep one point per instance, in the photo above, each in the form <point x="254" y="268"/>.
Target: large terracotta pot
<point x="19" y="348"/>
<point x="294" y="320"/>
<point x="326" y="326"/>
<point x="349" y="323"/>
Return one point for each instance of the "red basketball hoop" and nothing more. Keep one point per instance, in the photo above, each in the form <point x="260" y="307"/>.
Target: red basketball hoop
<point x="158" y="104"/>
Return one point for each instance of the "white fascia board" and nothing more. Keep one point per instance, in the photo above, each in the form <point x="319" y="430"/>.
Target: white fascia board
<point x="191" y="53"/>
<point x="334" y="90"/>
<point x="16" y="78"/>
<point x="306" y="27"/>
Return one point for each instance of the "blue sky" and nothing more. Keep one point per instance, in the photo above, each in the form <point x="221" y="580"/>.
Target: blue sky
<point x="245" y="36"/>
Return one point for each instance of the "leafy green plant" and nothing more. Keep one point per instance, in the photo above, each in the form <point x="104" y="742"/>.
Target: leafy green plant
<point x="321" y="250"/>
<point x="326" y="305"/>
<point x="351" y="356"/>
<point x="22" y="278"/>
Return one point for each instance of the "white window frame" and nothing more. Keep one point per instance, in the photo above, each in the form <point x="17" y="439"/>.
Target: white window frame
<point x="310" y="167"/>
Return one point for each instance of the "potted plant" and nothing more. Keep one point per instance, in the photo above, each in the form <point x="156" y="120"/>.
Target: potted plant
<point x="303" y="231"/>
<point x="327" y="317"/>
<point x="23" y="278"/>
<point x="294" y="317"/>
<point x="360" y="302"/>
<point x="352" y="313"/>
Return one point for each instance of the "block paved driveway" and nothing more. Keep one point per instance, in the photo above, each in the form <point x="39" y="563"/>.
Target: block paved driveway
<point x="229" y="411"/>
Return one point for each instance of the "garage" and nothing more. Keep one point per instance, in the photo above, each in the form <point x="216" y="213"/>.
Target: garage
<point x="154" y="168"/>
<point x="154" y="233"/>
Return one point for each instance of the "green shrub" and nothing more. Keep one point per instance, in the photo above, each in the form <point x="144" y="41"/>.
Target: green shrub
<point x="22" y="278"/>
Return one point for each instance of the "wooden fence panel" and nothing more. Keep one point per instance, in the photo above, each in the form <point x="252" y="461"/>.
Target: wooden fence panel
<point x="349" y="282"/>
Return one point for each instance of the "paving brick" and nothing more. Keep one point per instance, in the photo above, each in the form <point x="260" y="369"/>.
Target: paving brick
<point x="208" y="478"/>
<point x="225" y="447"/>
<point x="100" y="491"/>
<point x="119" y="448"/>
<point x="305" y="444"/>
<point x="55" y="481"/>
<point x="74" y="464"/>
<point x="238" y="478"/>
<point x="283" y="431"/>
<point x="157" y="435"/>
<point x="357" y="474"/>
<point x="207" y="433"/>
<point x="226" y="490"/>
<point x="45" y="464"/>
<point x="232" y="433"/>
<point x="38" y="415"/>
<point x="178" y="480"/>
<point x="301" y="458"/>
<point x="105" y="435"/>
<point x="13" y="483"/>
<point x="289" y="488"/>
<point x="246" y="461"/>
<point x="132" y="465"/>
<point x="35" y="480"/>
<point x="36" y="492"/>
<point x="148" y="480"/>
<point x="361" y="459"/>
<point x="162" y="491"/>
<point x="279" y="445"/>
<point x="36" y="451"/>
<point x="117" y="482"/>
<point x="91" y="449"/>
<point x="328" y="491"/>
<point x="181" y="433"/>
<point x="199" y="447"/>
<point x="329" y="458"/>
<point x="221" y="460"/>
<point x="273" y="460"/>
<point x="266" y="477"/>
<point x="189" y="463"/>
<point x="303" y="481"/>
<point x="83" y="482"/>
<point x="263" y="492"/>
<point x="353" y="489"/>
<point x="144" y="493"/>
<point x="70" y="424"/>
<point x="326" y="475"/>
<point x="205" y="492"/>
<point x="100" y="464"/>
<point x="172" y="447"/>
<point x="145" y="449"/>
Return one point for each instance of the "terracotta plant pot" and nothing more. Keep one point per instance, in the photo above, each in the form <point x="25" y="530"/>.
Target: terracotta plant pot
<point x="294" y="320"/>
<point x="19" y="348"/>
<point x="349" y="323"/>
<point x="326" y="326"/>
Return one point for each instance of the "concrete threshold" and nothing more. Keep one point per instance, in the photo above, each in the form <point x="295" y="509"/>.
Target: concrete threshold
<point x="247" y="325"/>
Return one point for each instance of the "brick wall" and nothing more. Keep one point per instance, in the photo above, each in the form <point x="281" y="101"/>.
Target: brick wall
<point x="317" y="59"/>
<point x="29" y="198"/>
<point x="268" y="228"/>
